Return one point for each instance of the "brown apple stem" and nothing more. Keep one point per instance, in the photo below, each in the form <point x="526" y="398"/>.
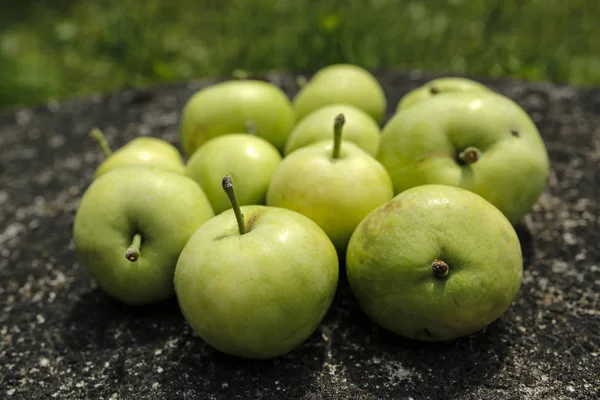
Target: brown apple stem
<point x="469" y="155"/>
<point x="250" y="127"/>
<point x="440" y="268"/>
<point x="101" y="139"/>
<point x="133" y="252"/>
<point x="338" y="124"/>
<point x="228" y="188"/>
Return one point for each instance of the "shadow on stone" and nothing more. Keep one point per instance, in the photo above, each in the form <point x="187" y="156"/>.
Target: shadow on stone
<point x="98" y="322"/>
<point x="526" y="240"/>
<point x="196" y="367"/>
<point x="384" y="364"/>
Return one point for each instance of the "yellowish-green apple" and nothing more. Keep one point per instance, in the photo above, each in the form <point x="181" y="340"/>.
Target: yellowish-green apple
<point x="248" y="159"/>
<point x="130" y="227"/>
<point x="435" y="263"/>
<point x="143" y="150"/>
<point x="480" y="141"/>
<point x="256" y="281"/>
<point x="360" y="128"/>
<point x="333" y="182"/>
<point x="437" y="86"/>
<point x="230" y="106"/>
<point x="341" y="83"/>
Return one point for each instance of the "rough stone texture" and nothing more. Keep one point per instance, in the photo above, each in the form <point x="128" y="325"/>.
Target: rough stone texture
<point x="61" y="337"/>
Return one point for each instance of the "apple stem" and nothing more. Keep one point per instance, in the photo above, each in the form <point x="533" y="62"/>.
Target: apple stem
<point x="338" y="124"/>
<point x="101" y="139"/>
<point x="469" y="155"/>
<point x="250" y="127"/>
<point x="228" y="188"/>
<point x="133" y="252"/>
<point x="440" y="268"/>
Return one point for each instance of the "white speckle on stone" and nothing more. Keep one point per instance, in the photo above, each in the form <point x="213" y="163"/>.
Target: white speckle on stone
<point x="559" y="266"/>
<point x="44" y="362"/>
<point x="106" y="364"/>
<point x="158" y="352"/>
<point x="225" y="385"/>
<point x="159" y="370"/>
<point x="80" y="384"/>
<point x="580" y="256"/>
<point x="57" y="141"/>
<point x="155" y="385"/>
<point x="10" y="391"/>
<point x="376" y="360"/>
<point x="570" y="388"/>
<point x="569" y="238"/>
<point x="114" y="396"/>
<point x="11" y="231"/>
<point x="40" y="319"/>
<point x="23" y="117"/>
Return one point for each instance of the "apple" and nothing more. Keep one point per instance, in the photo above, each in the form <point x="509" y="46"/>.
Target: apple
<point x="341" y="83"/>
<point x="248" y="159"/>
<point x="130" y="226"/>
<point x="360" y="128"/>
<point x="480" y="141"/>
<point x="256" y="281"/>
<point x="435" y="263"/>
<point x="437" y="86"/>
<point x="228" y="107"/>
<point x="335" y="183"/>
<point x="143" y="150"/>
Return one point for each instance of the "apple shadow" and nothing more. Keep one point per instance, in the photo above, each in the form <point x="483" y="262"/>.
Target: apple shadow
<point x="527" y="243"/>
<point x="384" y="364"/>
<point x="98" y="322"/>
<point x="198" y="368"/>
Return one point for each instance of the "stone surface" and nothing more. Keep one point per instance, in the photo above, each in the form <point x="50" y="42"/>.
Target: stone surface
<point x="61" y="337"/>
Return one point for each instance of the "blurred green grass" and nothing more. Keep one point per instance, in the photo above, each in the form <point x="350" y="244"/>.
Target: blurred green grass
<point x="51" y="49"/>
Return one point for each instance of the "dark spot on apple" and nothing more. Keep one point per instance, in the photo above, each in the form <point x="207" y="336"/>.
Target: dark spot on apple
<point x="427" y="332"/>
<point x="252" y="220"/>
<point x="515" y="133"/>
<point x="434" y="90"/>
<point x="389" y="206"/>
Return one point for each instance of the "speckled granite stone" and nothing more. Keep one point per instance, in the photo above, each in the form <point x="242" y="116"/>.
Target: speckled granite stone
<point x="61" y="337"/>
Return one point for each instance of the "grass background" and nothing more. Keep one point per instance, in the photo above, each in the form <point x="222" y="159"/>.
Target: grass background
<point x="51" y="49"/>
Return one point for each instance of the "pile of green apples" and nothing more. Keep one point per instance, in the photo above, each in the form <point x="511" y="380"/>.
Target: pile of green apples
<point x="271" y="198"/>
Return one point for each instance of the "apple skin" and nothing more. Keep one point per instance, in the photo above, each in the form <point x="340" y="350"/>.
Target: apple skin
<point x="419" y="146"/>
<point x="335" y="193"/>
<point x="248" y="159"/>
<point x="390" y="255"/>
<point x="166" y="208"/>
<point x="437" y="86"/>
<point x="261" y="294"/>
<point x="360" y="128"/>
<point x="341" y="83"/>
<point x="228" y="107"/>
<point x="144" y="150"/>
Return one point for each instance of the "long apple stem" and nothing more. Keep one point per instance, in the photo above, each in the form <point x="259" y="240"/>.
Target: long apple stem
<point x="469" y="155"/>
<point x="101" y="139"/>
<point x="133" y="252"/>
<point x="440" y="268"/>
<point x="338" y="124"/>
<point x="228" y="188"/>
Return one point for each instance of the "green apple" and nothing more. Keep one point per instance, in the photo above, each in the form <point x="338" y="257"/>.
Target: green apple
<point x="131" y="225"/>
<point x="248" y="159"/>
<point x="435" y="263"/>
<point x="437" y="86"/>
<point x="228" y="107"/>
<point x="359" y="129"/>
<point x="341" y="83"/>
<point x="143" y="150"/>
<point x="256" y="281"/>
<point x="335" y="183"/>
<point x="480" y="141"/>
